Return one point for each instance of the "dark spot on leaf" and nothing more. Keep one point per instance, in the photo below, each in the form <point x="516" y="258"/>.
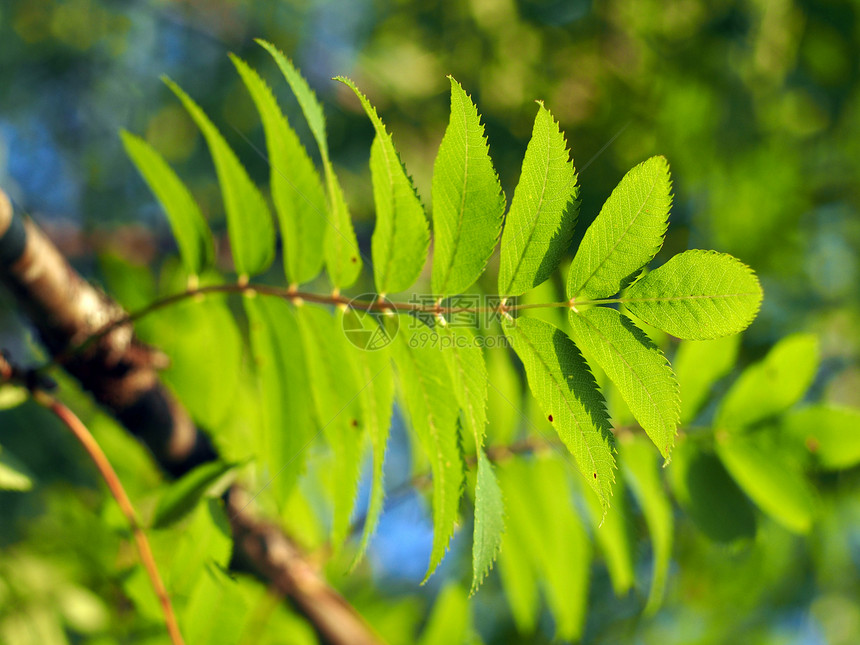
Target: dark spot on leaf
<point x="812" y="444"/>
<point x="354" y="423"/>
<point x="353" y="259"/>
<point x="550" y="418"/>
<point x="595" y="475"/>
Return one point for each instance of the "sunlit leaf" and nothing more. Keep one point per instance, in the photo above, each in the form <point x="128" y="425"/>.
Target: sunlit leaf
<point x="540" y="224"/>
<point x="189" y="227"/>
<point x="562" y="383"/>
<point x="296" y="188"/>
<point x="626" y="234"/>
<point x="697" y="295"/>
<point x="636" y="366"/>
<point x="14" y="475"/>
<point x="249" y="222"/>
<point x="401" y="236"/>
<point x="342" y="256"/>
<point x="468" y="202"/>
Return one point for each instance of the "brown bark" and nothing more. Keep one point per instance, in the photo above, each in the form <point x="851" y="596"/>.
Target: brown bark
<point x="120" y="372"/>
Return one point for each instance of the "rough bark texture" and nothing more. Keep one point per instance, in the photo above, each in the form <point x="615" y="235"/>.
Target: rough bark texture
<point x="121" y="374"/>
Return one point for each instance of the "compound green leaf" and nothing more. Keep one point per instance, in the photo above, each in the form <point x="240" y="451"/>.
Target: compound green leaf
<point x="697" y="295"/>
<point x="468" y="202"/>
<point x="780" y="492"/>
<point x="543" y="212"/>
<point x="336" y="394"/>
<point x="830" y="433"/>
<point x="432" y="407"/>
<point x="771" y="385"/>
<point x="401" y="236"/>
<point x="283" y="389"/>
<point x="563" y="385"/>
<point x="186" y="221"/>
<point x="489" y="521"/>
<point x="249" y="222"/>
<point x="297" y="191"/>
<point x="377" y="400"/>
<point x="636" y="366"/>
<point x="342" y="256"/>
<point x="643" y="476"/>
<point x="698" y="365"/>
<point x="626" y="234"/>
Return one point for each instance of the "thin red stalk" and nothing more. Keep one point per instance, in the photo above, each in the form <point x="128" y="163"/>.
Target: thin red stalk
<point x="83" y="435"/>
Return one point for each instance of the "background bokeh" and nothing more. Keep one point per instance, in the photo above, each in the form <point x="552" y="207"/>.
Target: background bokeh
<point x="756" y="105"/>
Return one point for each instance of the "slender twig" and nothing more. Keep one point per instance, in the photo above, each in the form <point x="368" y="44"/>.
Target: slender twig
<point x="83" y="435"/>
<point x="295" y="296"/>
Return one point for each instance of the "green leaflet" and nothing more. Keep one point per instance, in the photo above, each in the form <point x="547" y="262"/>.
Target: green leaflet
<point x="636" y="366"/>
<point x="377" y="401"/>
<point x="183" y="495"/>
<point x="186" y="221"/>
<point x="468" y="373"/>
<point x="489" y="521"/>
<point x="343" y="259"/>
<point x="284" y="393"/>
<point x="643" y="476"/>
<point x="401" y="236"/>
<point x="562" y="383"/>
<point x="543" y="212"/>
<point x="336" y="393"/>
<point x="697" y="295"/>
<point x="830" y="433"/>
<point x="780" y="492"/>
<point x="432" y="408"/>
<point x="700" y="364"/>
<point x="249" y="222"/>
<point x="709" y="495"/>
<point x="14" y="475"/>
<point x="626" y="234"/>
<point x="468" y="202"/>
<point x="296" y="188"/>
<point x="612" y="532"/>
<point x="772" y="385"/>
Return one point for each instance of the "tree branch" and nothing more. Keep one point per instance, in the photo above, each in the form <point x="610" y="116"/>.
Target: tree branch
<point x="120" y="372"/>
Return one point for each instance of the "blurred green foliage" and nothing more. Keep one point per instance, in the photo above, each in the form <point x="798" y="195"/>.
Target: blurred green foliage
<point x="756" y="104"/>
